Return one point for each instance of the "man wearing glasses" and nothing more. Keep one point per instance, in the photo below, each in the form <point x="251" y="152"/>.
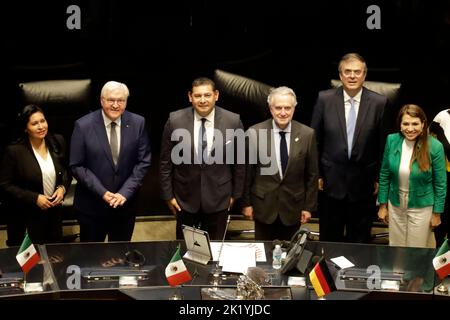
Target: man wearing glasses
<point x="349" y="127"/>
<point x="109" y="157"/>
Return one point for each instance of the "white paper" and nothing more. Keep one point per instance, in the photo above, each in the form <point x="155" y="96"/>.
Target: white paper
<point x="237" y="259"/>
<point x="258" y="246"/>
<point x="342" y="262"/>
<point x="297" y="281"/>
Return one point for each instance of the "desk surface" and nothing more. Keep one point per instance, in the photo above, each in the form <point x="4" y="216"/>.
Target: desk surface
<point x="90" y="270"/>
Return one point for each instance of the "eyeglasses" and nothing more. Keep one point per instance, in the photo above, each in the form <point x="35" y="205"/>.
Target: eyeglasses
<point x="118" y="101"/>
<point x="349" y="72"/>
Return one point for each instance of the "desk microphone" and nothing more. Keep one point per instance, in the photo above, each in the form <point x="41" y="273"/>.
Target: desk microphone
<point x="218" y="270"/>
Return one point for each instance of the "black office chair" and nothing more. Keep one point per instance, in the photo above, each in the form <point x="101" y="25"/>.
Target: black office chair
<point x="242" y="95"/>
<point x="63" y="101"/>
<point x="390" y="90"/>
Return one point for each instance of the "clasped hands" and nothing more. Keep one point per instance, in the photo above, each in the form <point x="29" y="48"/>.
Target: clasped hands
<point x="114" y="199"/>
<point x="47" y="202"/>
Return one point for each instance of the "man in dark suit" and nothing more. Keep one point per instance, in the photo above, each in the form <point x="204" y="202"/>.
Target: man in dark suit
<point x="197" y="182"/>
<point x="282" y="197"/>
<point x="349" y="126"/>
<point x="109" y="157"/>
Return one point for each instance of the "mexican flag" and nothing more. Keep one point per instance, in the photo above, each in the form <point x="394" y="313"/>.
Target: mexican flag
<point x="441" y="261"/>
<point x="176" y="272"/>
<point x="27" y="255"/>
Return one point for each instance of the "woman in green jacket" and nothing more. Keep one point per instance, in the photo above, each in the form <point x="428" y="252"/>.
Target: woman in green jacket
<point x="413" y="181"/>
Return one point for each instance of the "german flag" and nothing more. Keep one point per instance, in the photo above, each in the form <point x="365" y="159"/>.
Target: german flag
<point x="321" y="279"/>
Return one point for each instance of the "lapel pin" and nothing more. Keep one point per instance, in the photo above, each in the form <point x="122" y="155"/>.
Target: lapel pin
<point x="296" y="139"/>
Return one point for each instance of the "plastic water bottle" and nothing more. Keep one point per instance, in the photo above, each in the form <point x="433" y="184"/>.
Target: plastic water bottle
<point x="276" y="258"/>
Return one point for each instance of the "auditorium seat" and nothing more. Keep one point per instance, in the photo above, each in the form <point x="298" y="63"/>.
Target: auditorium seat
<point x="390" y="90"/>
<point x="242" y="95"/>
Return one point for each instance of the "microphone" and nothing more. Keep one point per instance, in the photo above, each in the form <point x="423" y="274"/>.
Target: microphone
<point x="218" y="270"/>
<point x="134" y="258"/>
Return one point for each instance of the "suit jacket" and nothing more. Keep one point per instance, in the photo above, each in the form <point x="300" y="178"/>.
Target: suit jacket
<point x="92" y="164"/>
<point x="354" y="177"/>
<point x="426" y="188"/>
<point x="201" y="186"/>
<point x="21" y="175"/>
<point x="270" y="195"/>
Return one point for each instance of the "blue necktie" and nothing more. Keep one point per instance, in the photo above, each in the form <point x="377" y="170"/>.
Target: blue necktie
<point x="351" y="123"/>
<point x="202" y="142"/>
<point x="283" y="152"/>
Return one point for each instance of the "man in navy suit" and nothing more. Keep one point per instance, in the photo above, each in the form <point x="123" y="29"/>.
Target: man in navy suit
<point x="109" y="157"/>
<point x="349" y="127"/>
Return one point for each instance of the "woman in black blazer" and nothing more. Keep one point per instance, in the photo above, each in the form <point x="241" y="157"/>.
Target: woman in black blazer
<point x="34" y="179"/>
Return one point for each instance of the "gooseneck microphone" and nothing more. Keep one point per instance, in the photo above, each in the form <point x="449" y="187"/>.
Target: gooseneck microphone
<point x="218" y="270"/>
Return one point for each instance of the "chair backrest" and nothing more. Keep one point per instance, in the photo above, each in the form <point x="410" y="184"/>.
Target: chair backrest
<point x="63" y="101"/>
<point x="243" y="95"/>
<point x="390" y="90"/>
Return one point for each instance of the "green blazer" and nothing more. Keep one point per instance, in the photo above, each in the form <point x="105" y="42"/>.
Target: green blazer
<point x="425" y="188"/>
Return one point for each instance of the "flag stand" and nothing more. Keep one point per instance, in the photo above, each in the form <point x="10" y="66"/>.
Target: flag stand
<point x="442" y="288"/>
<point x="176" y="295"/>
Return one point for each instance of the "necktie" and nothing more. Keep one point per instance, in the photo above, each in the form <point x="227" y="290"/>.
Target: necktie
<point x="283" y="152"/>
<point x="202" y="142"/>
<point x="113" y="143"/>
<point x="351" y="123"/>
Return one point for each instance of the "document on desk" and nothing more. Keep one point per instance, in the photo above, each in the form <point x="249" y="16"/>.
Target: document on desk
<point x="342" y="262"/>
<point x="259" y="247"/>
<point x="237" y="259"/>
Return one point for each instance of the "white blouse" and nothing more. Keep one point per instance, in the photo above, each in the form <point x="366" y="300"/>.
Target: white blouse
<point x="404" y="169"/>
<point x="48" y="172"/>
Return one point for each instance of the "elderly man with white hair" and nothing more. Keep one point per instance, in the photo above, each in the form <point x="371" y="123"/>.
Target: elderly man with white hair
<point x="281" y="200"/>
<point x="109" y="157"/>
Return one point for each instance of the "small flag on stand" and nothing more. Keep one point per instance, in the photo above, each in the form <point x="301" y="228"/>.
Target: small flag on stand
<point x="27" y="255"/>
<point x="441" y="261"/>
<point x="176" y="272"/>
<point x="321" y="279"/>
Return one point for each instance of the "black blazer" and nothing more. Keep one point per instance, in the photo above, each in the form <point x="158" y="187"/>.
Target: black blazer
<point x="197" y="186"/>
<point x="354" y="177"/>
<point x="21" y="176"/>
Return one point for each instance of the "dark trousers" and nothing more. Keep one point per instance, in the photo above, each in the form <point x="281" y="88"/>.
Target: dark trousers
<point x="117" y="224"/>
<point x="275" y="230"/>
<point x="213" y="223"/>
<point x="345" y="220"/>
<point x="44" y="226"/>
<point x="443" y="230"/>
